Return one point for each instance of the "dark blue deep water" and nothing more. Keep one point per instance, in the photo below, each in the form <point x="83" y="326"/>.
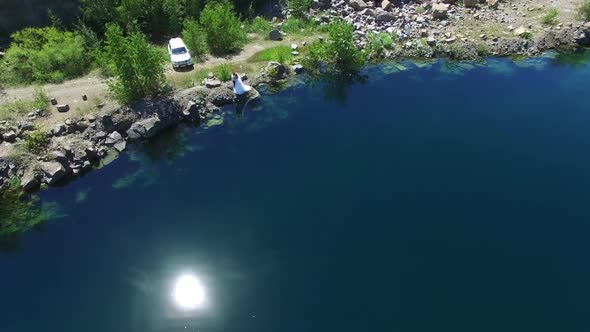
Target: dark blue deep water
<point x="430" y="197"/>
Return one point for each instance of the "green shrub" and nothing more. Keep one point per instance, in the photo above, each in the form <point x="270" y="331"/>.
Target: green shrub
<point x="584" y="10"/>
<point x="36" y="141"/>
<point x="281" y="54"/>
<point x="527" y="35"/>
<point x="378" y="43"/>
<point x="195" y="38"/>
<point x="551" y="17"/>
<point x="224" y="32"/>
<point x="339" y="52"/>
<point x="97" y="13"/>
<point x="44" y="55"/>
<point x="482" y="49"/>
<point x="260" y="25"/>
<point x="299" y="8"/>
<point x="40" y="99"/>
<point x="223" y="72"/>
<point x="138" y="67"/>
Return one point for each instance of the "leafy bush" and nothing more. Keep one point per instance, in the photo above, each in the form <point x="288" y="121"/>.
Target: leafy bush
<point x="260" y="25"/>
<point x="340" y="51"/>
<point x="223" y="72"/>
<point x="40" y="99"/>
<point x="195" y="38"/>
<point x="36" y="141"/>
<point x="482" y="49"/>
<point x="44" y="55"/>
<point x="138" y="67"/>
<point x="551" y="17"/>
<point x="584" y="10"/>
<point x="223" y="28"/>
<point x="378" y="43"/>
<point x="299" y="8"/>
<point x="97" y="13"/>
<point x="281" y="54"/>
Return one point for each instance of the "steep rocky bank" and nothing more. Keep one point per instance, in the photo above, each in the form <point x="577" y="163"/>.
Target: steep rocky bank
<point x="461" y="30"/>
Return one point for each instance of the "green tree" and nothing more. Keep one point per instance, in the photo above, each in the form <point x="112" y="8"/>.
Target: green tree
<point x="97" y="13"/>
<point x="195" y="38"/>
<point x="223" y="28"/>
<point x="299" y="8"/>
<point x="138" y="67"/>
<point x="192" y="8"/>
<point x="174" y="12"/>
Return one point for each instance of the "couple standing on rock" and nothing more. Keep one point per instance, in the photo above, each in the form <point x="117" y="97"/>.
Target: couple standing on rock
<point x="239" y="87"/>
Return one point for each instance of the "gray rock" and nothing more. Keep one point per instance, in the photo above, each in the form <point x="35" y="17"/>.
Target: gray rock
<point x="58" y="156"/>
<point x="120" y="146"/>
<point x="211" y="83"/>
<point x="29" y="181"/>
<point x="383" y="16"/>
<point x="298" y="68"/>
<point x="191" y="108"/>
<point x="63" y="108"/>
<point x="58" y="130"/>
<point x="151" y="125"/>
<point x="53" y="101"/>
<point x="357" y="4"/>
<point x="53" y="170"/>
<point x="100" y="135"/>
<point x="386" y="5"/>
<point x="113" y="138"/>
<point x="27" y="126"/>
<point x="9" y="137"/>
<point x="440" y="10"/>
<point x="275" y="35"/>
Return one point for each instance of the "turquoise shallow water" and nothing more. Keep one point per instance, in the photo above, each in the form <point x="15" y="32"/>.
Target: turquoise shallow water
<point x="429" y="197"/>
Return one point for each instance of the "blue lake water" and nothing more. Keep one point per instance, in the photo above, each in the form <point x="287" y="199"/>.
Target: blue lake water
<point x="429" y="197"/>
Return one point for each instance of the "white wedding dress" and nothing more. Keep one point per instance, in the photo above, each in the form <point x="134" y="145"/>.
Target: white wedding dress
<point x="239" y="87"/>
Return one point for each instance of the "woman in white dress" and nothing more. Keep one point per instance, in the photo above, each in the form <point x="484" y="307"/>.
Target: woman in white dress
<point x="239" y="87"/>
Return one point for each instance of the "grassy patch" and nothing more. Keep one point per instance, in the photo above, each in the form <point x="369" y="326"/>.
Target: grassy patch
<point x="298" y="26"/>
<point x="281" y="54"/>
<point x="551" y="17"/>
<point x="584" y="10"/>
<point x="19" y="108"/>
<point x="223" y="72"/>
<point x="261" y="26"/>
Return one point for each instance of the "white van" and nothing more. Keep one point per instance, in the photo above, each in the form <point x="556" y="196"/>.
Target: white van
<point x="179" y="53"/>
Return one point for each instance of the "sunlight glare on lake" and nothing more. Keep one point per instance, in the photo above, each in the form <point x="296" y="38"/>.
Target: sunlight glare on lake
<point x="188" y="292"/>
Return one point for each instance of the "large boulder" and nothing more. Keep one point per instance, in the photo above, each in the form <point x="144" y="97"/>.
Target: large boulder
<point x="212" y="83"/>
<point x="386" y="5"/>
<point x="53" y="170"/>
<point x="383" y="16"/>
<point x="29" y="180"/>
<point x="440" y="10"/>
<point x="275" y="35"/>
<point x="493" y="4"/>
<point x="9" y="137"/>
<point x="276" y="70"/>
<point x="357" y="4"/>
<point x="63" y="108"/>
<point x="113" y="138"/>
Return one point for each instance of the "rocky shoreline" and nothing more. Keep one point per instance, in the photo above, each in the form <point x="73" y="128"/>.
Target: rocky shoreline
<point x="440" y="28"/>
<point x="79" y="145"/>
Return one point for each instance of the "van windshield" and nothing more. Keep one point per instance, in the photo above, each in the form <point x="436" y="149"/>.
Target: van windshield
<point x="179" y="50"/>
